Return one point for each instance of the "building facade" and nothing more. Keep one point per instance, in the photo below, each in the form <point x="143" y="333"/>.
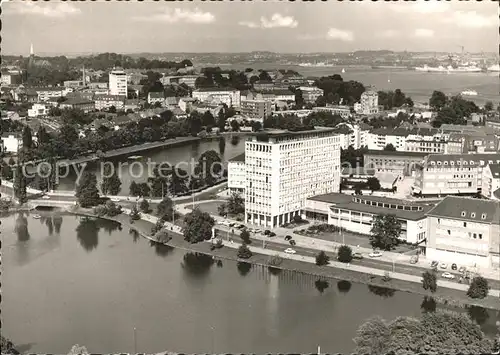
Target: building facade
<point x="118" y="82"/>
<point x="80" y="104"/>
<point x="310" y="93"/>
<point x="400" y="163"/>
<point x="230" y="97"/>
<point x="369" y="103"/>
<point x="106" y="101"/>
<point x="342" y="111"/>
<point x="465" y="231"/>
<point x="490" y="180"/>
<point x="38" y="110"/>
<point x="236" y="177"/>
<point x="256" y="109"/>
<point x="451" y="174"/>
<point x="283" y="169"/>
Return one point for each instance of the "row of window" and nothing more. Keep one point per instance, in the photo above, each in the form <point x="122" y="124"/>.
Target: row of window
<point x="464" y="162"/>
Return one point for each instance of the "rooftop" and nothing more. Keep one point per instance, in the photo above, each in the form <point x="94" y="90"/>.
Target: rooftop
<point x="238" y="158"/>
<point x="463" y="159"/>
<point x="396" y="153"/>
<point x="495" y="170"/>
<point x="281" y="133"/>
<point x="468" y="209"/>
<point x="214" y="89"/>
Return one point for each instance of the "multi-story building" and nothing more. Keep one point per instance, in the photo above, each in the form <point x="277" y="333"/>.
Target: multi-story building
<point x="189" y="80"/>
<point x="284" y="168"/>
<point x="490" y="180"/>
<point x="369" y="103"/>
<point x="78" y="103"/>
<point x="399" y="163"/>
<point x="465" y="231"/>
<point x="492" y="123"/>
<point x="236" y="178"/>
<point x="118" y="82"/>
<point x="154" y="97"/>
<point x="342" y="111"/>
<point x="47" y="93"/>
<point x="38" y="110"/>
<point x="356" y="213"/>
<point x="310" y="93"/>
<point x="106" y="101"/>
<point x="11" y="78"/>
<point x="256" y="109"/>
<point x="451" y="174"/>
<point x="228" y="96"/>
<point x="443" y="144"/>
<point x="477" y="142"/>
<point x="11" y="142"/>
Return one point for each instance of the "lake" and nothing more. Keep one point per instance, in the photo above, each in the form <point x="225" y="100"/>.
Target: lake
<point x="67" y="280"/>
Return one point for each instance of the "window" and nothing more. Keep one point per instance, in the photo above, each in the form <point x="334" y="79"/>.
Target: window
<point x="473" y="215"/>
<point x="449" y="232"/>
<point x="463" y="213"/>
<point x="480" y="236"/>
<point x="483" y="216"/>
<point x="474" y="235"/>
<point x="465" y="224"/>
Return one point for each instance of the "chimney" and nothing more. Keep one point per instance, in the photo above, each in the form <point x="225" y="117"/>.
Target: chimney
<point x="84" y="76"/>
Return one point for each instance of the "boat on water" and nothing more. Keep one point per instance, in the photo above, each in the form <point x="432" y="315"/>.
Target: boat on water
<point x="450" y="69"/>
<point x="316" y="65"/>
<point x="37" y="216"/>
<point x="469" y="93"/>
<point x="394" y="67"/>
<point x="343" y="70"/>
<point x="495" y="68"/>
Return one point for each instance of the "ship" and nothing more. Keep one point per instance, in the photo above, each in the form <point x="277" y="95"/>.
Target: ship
<point x="495" y="67"/>
<point x="469" y="93"/>
<point x="395" y="67"/>
<point x="450" y="69"/>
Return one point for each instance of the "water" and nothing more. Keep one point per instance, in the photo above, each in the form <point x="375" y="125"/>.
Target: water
<point x="67" y="282"/>
<point x="171" y="155"/>
<point x="418" y="85"/>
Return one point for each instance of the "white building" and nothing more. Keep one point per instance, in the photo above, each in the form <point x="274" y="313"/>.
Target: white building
<point x="236" y="174"/>
<point x="310" y="93"/>
<point x="465" y="231"/>
<point x="342" y="111"/>
<point x="154" y="97"/>
<point x="284" y="168"/>
<point x="490" y="180"/>
<point x="38" y="110"/>
<point x="118" y="82"/>
<point x="56" y="92"/>
<point x="256" y="110"/>
<point x="230" y="97"/>
<point x="11" y="142"/>
<point x="369" y="103"/>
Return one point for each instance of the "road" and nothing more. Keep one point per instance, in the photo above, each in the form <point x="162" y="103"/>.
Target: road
<point x="366" y="261"/>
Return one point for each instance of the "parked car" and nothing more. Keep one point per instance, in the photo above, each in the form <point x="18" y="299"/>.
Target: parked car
<point x="46" y="197"/>
<point x="453" y="266"/>
<point x="448" y="275"/>
<point x="256" y="230"/>
<point x="443" y="265"/>
<point x="241" y="226"/>
<point x="231" y="224"/>
<point x="375" y="254"/>
<point x="462" y="269"/>
<point x="358" y="256"/>
<point x="272" y="234"/>
<point x="292" y="242"/>
<point x="434" y="264"/>
<point x="289" y="251"/>
<point x="288" y="237"/>
<point x="267" y="232"/>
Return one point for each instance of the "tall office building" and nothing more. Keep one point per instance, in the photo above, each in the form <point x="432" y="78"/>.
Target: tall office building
<point x="118" y="82"/>
<point x="284" y="168"/>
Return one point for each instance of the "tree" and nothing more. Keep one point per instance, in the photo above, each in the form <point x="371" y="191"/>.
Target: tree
<point x="438" y="100"/>
<point x="198" y="226"/>
<point x="134" y="214"/>
<point x="165" y="209"/>
<point x="235" y="126"/>
<point x="235" y="204"/>
<point x="144" y="206"/>
<point x="390" y="148"/>
<point x="134" y="189"/>
<point x="429" y="281"/>
<point x="144" y="189"/>
<point x="245" y="236"/>
<point x="210" y="166"/>
<point x="345" y="254"/>
<point x="20" y="184"/>
<point x="488" y="106"/>
<point x="478" y="288"/>
<point x="299" y="99"/>
<point x="321" y="101"/>
<point x="385" y="231"/>
<point x="373" y="183"/>
<point x="112" y="109"/>
<point x="27" y="138"/>
<point x="86" y="191"/>
<point x="78" y="350"/>
<point x="322" y="259"/>
<point x="256" y="126"/>
<point x="6" y="346"/>
<point x="244" y="252"/>
<point x="221" y="120"/>
<point x="440" y="332"/>
<point x="208" y="119"/>
<point x="110" y="184"/>
<point x="222" y="209"/>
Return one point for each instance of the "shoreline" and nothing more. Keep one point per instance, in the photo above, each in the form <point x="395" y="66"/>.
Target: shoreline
<point x="444" y="296"/>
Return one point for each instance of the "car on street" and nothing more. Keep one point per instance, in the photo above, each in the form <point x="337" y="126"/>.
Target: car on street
<point x="289" y="251"/>
<point x="443" y="265"/>
<point x="256" y="230"/>
<point x="358" y="256"/>
<point x="115" y="199"/>
<point x="462" y="270"/>
<point x="375" y="254"/>
<point x="45" y="197"/>
<point x="292" y="242"/>
<point x="241" y="226"/>
<point x="267" y="232"/>
<point x="434" y="264"/>
<point x="231" y="224"/>
<point x="272" y="234"/>
<point x="288" y="237"/>
<point x="448" y="275"/>
<point x="453" y="266"/>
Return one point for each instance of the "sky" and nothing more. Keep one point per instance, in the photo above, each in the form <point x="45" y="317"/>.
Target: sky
<point x="224" y="26"/>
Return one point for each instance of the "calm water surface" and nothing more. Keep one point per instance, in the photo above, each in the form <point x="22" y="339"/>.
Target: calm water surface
<point x="67" y="281"/>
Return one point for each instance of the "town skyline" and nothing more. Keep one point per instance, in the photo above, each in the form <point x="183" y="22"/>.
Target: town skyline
<point x="218" y="27"/>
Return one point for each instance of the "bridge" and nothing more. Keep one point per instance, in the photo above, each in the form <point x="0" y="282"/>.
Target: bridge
<point x="65" y="204"/>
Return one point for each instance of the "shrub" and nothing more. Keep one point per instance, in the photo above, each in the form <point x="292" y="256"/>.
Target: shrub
<point x="429" y="281"/>
<point x="144" y="206"/>
<point x="245" y="236"/>
<point x="100" y="210"/>
<point x="297" y="219"/>
<point x="345" y="254"/>
<point x="244" y="252"/>
<point x="219" y="244"/>
<point x="387" y="277"/>
<point x="162" y="236"/>
<point x="275" y="260"/>
<point x="322" y="259"/>
<point x="134" y="214"/>
<point x="112" y="209"/>
<point x="478" y="288"/>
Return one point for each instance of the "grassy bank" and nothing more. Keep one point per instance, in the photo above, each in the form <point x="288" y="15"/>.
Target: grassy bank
<point x="451" y="297"/>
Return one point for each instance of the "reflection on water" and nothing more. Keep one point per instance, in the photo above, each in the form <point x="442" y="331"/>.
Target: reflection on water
<point x="428" y="304"/>
<point x="87" y="231"/>
<point x="197" y="264"/>
<point x="47" y="220"/>
<point x="344" y="286"/>
<point x="135" y="234"/>
<point x="21" y="228"/>
<point x="160" y="249"/>
<point x="243" y="268"/>
<point x="382" y="291"/>
<point x="321" y="285"/>
<point x="57" y="220"/>
<point x="478" y="314"/>
<point x="274" y="270"/>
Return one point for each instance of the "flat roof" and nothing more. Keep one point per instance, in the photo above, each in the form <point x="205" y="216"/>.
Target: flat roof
<point x="238" y="158"/>
<point x="395" y="153"/>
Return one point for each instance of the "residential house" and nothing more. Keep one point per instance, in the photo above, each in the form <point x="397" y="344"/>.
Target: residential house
<point x="342" y="111"/>
<point x="393" y="162"/>
<point x="490" y="180"/>
<point x="106" y="101"/>
<point x="310" y="93"/>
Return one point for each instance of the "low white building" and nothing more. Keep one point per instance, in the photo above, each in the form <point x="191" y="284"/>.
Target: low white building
<point x="236" y="174"/>
<point x="154" y="97"/>
<point x="11" y="142"/>
<point x="38" y="110"/>
<point x="228" y="96"/>
<point x="342" y="111"/>
<point x="310" y="93"/>
<point x="465" y="231"/>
